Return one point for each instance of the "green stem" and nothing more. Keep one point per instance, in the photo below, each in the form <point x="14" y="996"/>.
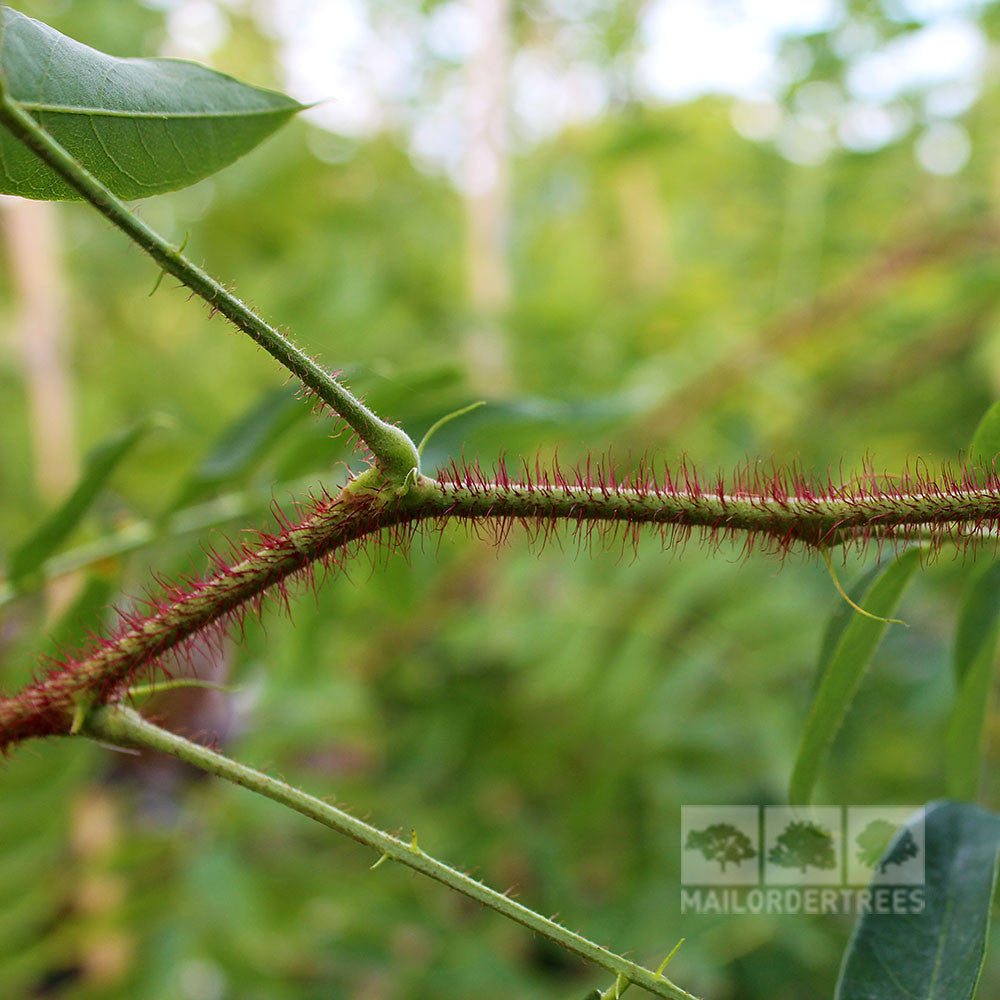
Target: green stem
<point x="814" y="521"/>
<point x="394" y="452"/>
<point x="613" y="992"/>
<point x="368" y="506"/>
<point x="44" y="708"/>
<point x="118" y="724"/>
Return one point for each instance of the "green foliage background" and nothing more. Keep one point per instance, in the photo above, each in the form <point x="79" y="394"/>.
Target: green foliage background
<point x="539" y="717"/>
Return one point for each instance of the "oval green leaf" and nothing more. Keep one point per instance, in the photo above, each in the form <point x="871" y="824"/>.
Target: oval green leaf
<point x="937" y="954"/>
<point x="975" y="665"/>
<point x="846" y="667"/>
<point x="141" y="126"/>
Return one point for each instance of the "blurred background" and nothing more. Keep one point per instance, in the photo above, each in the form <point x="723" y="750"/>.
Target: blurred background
<point x="729" y="229"/>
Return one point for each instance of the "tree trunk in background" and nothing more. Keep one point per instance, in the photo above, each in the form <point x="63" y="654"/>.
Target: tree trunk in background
<point x="485" y="183"/>
<point x="31" y="235"/>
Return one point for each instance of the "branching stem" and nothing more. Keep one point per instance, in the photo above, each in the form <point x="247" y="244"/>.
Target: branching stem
<point x="84" y="695"/>
<point x="370" y="506"/>
<point x="118" y="724"/>
<point x="395" y="453"/>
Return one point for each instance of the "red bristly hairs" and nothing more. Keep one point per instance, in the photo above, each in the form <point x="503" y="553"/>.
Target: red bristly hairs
<point x="775" y="508"/>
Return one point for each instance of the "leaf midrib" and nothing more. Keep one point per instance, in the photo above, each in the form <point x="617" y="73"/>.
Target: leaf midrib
<point x="61" y="109"/>
<point x="942" y="940"/>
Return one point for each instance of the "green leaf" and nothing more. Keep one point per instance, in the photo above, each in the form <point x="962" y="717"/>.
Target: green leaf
<point x="141" y="126"/>
<point x="82" y="617"/>
<point x="513" y="425"/>
<point x="842" y="677"/>
<point x="243" y="444"/>
<point x="54" y="529"/>
<point x="977" y="619"/>
<point x="985" y="447"/>
<point x="937" y="954"/>
<point x="975" y="663"/>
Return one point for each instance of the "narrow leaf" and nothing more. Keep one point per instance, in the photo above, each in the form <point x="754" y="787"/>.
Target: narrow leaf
<point x="847" y="665"/>
<point x="54" y="529"/>
<point x="975" y="663"/>
<point x="82" y="617"/>
<point x="243" y="444"/>
<point x="515" y="423"/>
<point x="936" y="954"/>
<point x="141" y="126"/>
<point x="985" y="447"/>
<point x="977" y="619"/>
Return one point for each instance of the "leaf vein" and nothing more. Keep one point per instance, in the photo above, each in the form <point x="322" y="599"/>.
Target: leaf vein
<point x="67" y="109"/>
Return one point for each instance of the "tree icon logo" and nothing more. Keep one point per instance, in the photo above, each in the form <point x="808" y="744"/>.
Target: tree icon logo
<point x="720" y="845"/>
<point x="885" y="845"/>
<point x="721" y="842"/>
<point x="803" y="845"/>
<point x="874" y="842"/>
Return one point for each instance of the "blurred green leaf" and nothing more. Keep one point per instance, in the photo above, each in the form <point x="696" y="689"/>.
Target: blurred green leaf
<point x="35" y="816"/>
<point x="936" y="954"/>
<point x="977" y="618"/>
<point x="847" y="665"/>
<point x="243" y="444"/>
<point x="82" y="616"/>
<point x="636" y="261"/>
<point x="974" y="664"/>
<point x="985" y="445"/>
<point x="53" y="530"/>
<point x="141" y="126"/>
<point x="514" y="425"/>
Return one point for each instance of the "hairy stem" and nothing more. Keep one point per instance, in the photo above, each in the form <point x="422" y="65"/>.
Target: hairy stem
<point x="210" y="514"/>
<point x="44" y="707"/>
<point x="395" y="453"/>
<point x="117" y="724"/>
<point x="139" y="534"/>
<point x="821" y="517"/>
<point x="371" y="506"/>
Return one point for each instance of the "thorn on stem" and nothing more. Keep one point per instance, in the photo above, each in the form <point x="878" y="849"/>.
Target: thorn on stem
<point x="666" y="961"/>
<point x="79" y="712"/>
